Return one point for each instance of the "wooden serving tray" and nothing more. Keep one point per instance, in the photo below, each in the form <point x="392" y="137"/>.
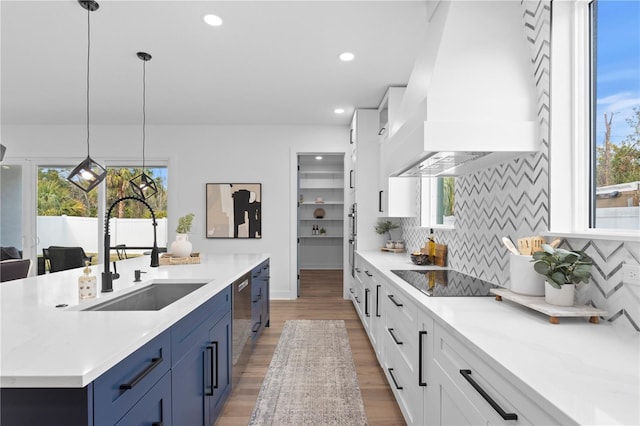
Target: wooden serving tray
<point x="394" y="250"/>
<point x="169" y="259"/>
<point x="554" y="312"/>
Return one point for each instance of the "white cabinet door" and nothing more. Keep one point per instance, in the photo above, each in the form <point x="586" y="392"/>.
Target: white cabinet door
<point x="453" y="407"/>
<point x="397" y="196"/>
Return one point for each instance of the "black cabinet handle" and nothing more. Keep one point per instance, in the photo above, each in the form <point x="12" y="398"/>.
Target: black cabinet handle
<point x="420" y="353"/>
<point x="366" y="301"/>
<point x="215" y="382"/>
<point x="351" y="290"/>
<point x="358" y="270"/>
<point x="380" y="202"/>
<point x="256" y="327"/>
<point x="395" y="302"/>
<point x="393" y="336"/>
<point x="351" y="139"/>
<point x="351" y="185"/>
<point x="394" y="379"/>
<point x="357" y="299"/>
<point x="369" y="274"/>
<point x="378" y="301"/>
<point x="154" y="363"/>
<point x="160" y="423"/>
<point x="506" y="416"/>
<point x="209" y="389"/>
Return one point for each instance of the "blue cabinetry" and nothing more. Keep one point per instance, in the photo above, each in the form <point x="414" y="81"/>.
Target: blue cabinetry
<point x="120" y="388"/>
<point x="180" y="377"/>
<point x="201" y="351"/>
<point x="260" y="298"/>
<point x="154" y="409"/>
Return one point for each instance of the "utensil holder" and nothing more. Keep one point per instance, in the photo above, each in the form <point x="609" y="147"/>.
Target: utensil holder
<point x="524" y="279"/>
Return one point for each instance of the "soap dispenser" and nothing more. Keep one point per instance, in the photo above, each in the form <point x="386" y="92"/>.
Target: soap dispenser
<point x="87" y="284"/>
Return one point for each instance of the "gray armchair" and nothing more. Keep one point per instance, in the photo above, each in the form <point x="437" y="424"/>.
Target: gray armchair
<point x="14" y="269"/>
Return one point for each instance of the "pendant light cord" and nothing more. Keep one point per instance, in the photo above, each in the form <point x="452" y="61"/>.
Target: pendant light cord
<point x="144" y="107"/>
<point x="88" y="60"/>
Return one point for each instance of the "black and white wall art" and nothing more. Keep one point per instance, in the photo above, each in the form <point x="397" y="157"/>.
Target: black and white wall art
<point x="234" y="210"/>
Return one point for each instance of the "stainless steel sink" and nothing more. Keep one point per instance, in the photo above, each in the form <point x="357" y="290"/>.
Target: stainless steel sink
<point x="149" y="298"/>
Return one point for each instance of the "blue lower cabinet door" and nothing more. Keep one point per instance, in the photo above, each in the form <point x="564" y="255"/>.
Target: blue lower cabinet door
<point x="154" y="409"/>
<point x="219" y="368"/>
<point x="188" y="389"/>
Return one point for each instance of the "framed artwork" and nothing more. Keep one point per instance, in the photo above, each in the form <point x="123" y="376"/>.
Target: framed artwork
<point x="234" y="210"/>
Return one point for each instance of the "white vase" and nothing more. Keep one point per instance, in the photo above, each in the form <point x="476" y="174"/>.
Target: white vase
<point x="562" y="296"/>
<point x="181" y="247"/>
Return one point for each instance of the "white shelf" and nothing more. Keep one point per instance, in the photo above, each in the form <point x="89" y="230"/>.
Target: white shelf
<point x="325" y="180"/>
<point x="330" y="203"/>
<point x="322" y="173"/>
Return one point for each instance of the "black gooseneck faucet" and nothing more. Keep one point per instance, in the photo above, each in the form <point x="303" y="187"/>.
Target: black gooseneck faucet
<point x="107" y="275"/>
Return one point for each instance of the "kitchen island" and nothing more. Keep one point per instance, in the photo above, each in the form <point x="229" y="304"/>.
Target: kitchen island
<point x="574" y="372"/>
<point x="49" y="340"/>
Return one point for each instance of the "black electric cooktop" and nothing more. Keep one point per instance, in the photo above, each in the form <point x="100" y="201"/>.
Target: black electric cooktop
<point x="445" y="283"/>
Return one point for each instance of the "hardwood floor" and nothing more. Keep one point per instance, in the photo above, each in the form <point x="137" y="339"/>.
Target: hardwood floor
<point x="321" y="298"/>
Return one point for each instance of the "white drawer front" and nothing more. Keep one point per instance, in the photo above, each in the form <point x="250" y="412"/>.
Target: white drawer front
<point x="498" y="399"/>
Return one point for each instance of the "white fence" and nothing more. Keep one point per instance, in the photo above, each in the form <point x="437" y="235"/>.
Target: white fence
<point x="84" y="231"/>
<point x="618" y="218"/>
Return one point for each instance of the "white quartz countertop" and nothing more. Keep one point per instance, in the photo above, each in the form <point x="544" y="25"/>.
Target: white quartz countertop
<point x="589" y="372"/>
<point x="42" y="345"/>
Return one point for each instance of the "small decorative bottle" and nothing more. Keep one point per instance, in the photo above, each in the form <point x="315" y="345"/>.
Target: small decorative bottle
<point x="431" y="247"/>
<point x="87" y="284"/>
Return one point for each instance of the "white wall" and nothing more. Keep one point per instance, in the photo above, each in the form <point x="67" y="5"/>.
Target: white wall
<point x="198" y="155"/>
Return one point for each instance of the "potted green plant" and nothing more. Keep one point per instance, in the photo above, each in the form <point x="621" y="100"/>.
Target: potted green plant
<point x="563" y="269"/>
<point x="385" y="227"/>
<point x="184" y="224"/>
<point x="323" y="231"/>
<point x="181" y="247"/>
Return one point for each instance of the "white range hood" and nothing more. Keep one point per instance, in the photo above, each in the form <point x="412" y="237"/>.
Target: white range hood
<point x="479" y="108"/>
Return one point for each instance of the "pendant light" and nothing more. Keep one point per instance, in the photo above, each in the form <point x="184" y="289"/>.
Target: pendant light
<point x="143" y="185"/>
<point x="88" y="174"/>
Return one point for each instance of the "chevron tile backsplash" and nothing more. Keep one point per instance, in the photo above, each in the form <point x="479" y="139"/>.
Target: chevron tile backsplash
<point x="512" y="200"/>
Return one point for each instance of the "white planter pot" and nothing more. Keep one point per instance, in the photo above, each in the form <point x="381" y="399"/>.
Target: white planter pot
<point x="560" y="297"/>
<point x="181" y="247"/>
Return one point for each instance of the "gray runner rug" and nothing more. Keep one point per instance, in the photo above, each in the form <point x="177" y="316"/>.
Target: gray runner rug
<point x="312" y="378"/>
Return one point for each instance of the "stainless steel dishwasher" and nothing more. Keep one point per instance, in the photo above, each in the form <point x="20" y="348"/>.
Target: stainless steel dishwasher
<point x="241" y="347"/>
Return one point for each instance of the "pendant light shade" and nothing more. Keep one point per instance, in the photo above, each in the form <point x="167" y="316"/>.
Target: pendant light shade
<point x="88" y="174"/>
<point x="142" y="185"/>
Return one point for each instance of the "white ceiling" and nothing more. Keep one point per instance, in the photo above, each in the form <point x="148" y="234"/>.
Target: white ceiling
<point x="271" y="62"/>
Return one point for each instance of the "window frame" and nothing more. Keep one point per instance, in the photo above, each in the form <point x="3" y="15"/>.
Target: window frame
<point x="570" y="183"/>
<point x="429" y="204"/>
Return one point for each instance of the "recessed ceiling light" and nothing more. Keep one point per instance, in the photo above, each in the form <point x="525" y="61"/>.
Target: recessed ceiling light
<point x="213" y="20"/>
<point x="346" y="56"/>
<point x="339" y="111"/>
<point x="319" y="157"/>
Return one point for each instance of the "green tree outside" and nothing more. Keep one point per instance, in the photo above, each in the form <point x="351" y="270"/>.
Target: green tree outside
<point x="57" y="196"/>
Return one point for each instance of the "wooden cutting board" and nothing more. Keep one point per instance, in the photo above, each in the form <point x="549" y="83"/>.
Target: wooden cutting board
<point x="441" y="254"/>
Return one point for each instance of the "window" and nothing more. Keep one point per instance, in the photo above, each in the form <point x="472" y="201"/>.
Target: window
<point x="614" y="33"/>
<point x="68" y="216"/>
<point x="130" y="222"/>
<point x="437" y="202"/>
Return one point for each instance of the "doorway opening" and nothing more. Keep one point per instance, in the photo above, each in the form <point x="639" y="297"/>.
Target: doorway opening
<point x="320" y="221"/>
